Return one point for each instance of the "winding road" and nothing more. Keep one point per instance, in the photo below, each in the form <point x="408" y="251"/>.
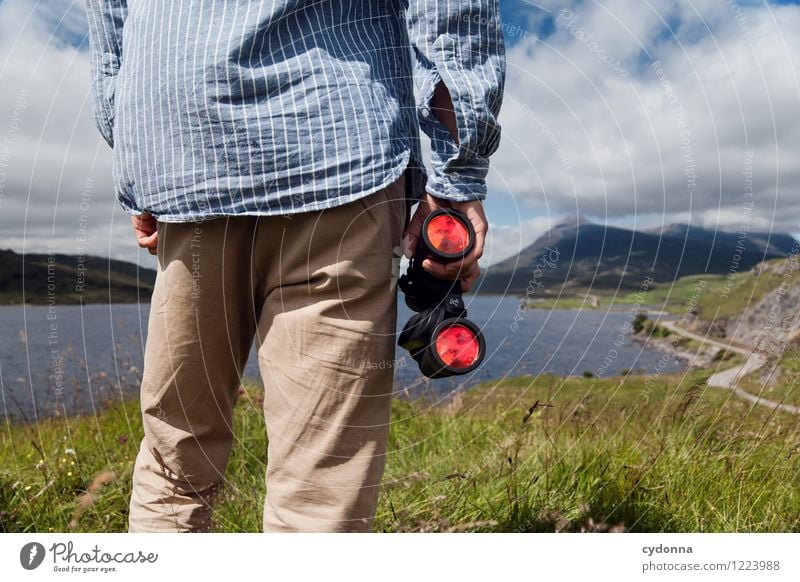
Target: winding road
<point x="729" y="378"/>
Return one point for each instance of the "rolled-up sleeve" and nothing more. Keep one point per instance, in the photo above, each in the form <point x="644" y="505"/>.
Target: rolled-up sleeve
<point x="106" y="19"/>
<point x="459" y="43"/>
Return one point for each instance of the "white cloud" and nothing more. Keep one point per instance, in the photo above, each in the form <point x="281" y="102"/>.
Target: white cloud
<point x="55" y="159"/>
<point x="506" y="240"/>
<point x="581" y="136"/>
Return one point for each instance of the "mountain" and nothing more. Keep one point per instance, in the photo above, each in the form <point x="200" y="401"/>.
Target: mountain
<point x="65" y="279"/>
<point x="577" y="254"/>
<point x="777" y="243"/>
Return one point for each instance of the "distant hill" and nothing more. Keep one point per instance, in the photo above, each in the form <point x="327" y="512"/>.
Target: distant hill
<point x="606" y="257"/>
<point x="776" y="243"/>
<point x="43" y="278"/>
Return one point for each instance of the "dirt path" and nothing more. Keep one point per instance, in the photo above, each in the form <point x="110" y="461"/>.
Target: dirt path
<point x="729" y="379"/>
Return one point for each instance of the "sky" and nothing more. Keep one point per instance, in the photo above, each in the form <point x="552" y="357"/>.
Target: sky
<point x="634" y="113"/>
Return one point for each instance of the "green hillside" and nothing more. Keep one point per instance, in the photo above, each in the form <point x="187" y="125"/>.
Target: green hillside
<point x="67" y="279"/>
<point x="716" y="296"/>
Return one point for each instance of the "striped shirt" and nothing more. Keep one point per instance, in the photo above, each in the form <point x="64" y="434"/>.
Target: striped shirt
<point x="245" y="107"/>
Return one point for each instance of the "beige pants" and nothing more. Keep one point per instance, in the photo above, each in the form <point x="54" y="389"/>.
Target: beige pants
<point x="318" y="293"/>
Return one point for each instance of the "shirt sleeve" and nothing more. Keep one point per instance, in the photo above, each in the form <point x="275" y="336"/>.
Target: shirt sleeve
<point x="460" y="43"/>
<point x="106" y="19"/>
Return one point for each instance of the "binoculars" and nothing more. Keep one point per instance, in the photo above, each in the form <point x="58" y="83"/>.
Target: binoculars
<point x="439" y="336"/>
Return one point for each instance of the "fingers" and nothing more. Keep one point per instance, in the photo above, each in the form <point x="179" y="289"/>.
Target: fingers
<point x="412" y="234"/>
<point x="470" y="262"/>
<point x="148" y="242"/>
<point x="480" y="241"/>
<point x="467" y="270"/>
<point x="476" y="215"/>
<point x="467" y="275"/>
<point x="145" y="229"/>
<point x="452" y="271"/>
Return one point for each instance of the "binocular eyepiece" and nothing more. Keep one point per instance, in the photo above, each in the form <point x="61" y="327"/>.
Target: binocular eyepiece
<point x="439" y="336"/>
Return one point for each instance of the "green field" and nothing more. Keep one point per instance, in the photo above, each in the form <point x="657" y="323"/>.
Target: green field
<point x="633" y="453"/>
<point x="714" y="296"/>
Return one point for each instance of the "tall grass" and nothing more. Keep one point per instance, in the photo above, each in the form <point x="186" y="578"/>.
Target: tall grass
<point x="633" y="453"/>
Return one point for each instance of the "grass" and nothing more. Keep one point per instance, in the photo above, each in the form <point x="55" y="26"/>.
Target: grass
<point x="676" y="298"/>
<point x="633" y="453"/>
<point x="715" y="296"/>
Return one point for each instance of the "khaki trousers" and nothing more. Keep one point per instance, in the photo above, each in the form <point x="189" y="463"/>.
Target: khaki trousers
<point x="317" y="291"/>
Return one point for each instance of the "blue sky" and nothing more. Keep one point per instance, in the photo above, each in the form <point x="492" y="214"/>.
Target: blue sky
<point x="590" y="125"/>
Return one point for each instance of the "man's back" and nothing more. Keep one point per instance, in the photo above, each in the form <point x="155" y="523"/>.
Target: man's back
<point x="263" y="108"/>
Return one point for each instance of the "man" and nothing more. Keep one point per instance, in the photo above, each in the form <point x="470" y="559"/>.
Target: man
<point x="269" y="154"/>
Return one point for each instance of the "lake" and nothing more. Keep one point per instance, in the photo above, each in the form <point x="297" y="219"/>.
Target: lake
<point x="71" y="359"/>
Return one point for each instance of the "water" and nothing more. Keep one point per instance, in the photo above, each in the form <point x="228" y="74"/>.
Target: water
<point x="71" y="359"/>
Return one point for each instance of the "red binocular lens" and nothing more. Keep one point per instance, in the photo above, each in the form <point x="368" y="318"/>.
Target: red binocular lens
<point x="447" y="235"/>
<point x="457" y="347"/>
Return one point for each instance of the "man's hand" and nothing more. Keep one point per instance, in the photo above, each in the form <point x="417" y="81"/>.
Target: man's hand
<point x="144" y="227"/>
<point x="465" y="270"/>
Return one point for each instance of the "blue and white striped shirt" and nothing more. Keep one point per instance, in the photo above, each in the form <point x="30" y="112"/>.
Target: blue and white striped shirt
<point x="245" y="107"/>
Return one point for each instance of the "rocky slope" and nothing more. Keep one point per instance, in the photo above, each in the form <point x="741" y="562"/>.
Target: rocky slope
<point x="769" y="316"/>
<point x="769" y="323"/>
